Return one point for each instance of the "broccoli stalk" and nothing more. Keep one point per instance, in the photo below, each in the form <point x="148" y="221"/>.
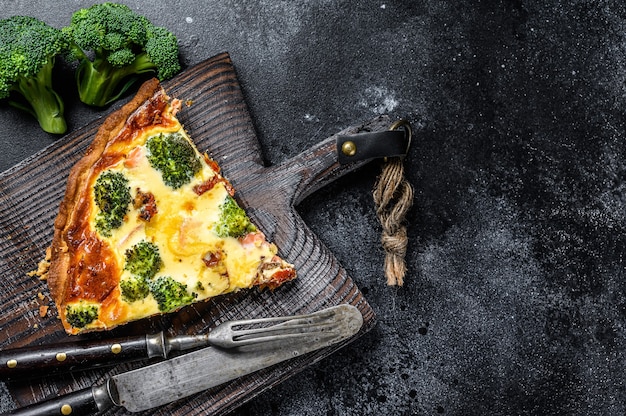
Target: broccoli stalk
<point x="114" y="46"/>
<point x="28" y="51"/>
<point x="98" y="82"/>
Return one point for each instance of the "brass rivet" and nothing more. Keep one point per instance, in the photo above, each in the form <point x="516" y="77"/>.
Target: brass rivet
<point x="66" y="409"/>
<point x="348" y="148"/>
<point x="61" y="356"/>
<point x="116" y="348"/>
<point x="12" y="363"/>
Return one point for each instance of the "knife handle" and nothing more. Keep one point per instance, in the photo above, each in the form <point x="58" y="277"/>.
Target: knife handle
<point x="33" y="361"/>
<point x="82" y="402"/>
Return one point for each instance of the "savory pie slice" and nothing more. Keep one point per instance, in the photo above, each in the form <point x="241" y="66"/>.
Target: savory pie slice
<point x="148" y="225"/>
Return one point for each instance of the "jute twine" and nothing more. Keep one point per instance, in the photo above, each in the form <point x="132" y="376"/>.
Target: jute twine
<point x="393" y="196"/>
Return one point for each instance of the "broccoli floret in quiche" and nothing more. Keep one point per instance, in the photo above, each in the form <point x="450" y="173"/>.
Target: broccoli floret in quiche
<point x="170" y="294"/>
<point x="112" y="197"/>
<point x="173" y="156"/>
<point x="233" y="222"/>
<point x="81" y="314"/>
<point x="143" y="260"/>
<point x="134" y="289"/>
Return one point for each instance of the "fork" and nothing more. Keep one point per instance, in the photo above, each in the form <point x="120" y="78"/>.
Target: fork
<point x="33" y="361"/>
<point x="286" y="328"/>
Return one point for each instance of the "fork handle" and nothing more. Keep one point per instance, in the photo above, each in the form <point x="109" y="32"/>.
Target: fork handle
<point x="34" y="361"/>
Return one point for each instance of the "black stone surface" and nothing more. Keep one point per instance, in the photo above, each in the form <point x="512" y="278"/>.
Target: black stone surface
<point x="515" y="298"/>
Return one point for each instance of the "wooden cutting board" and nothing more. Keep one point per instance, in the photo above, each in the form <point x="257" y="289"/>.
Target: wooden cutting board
<point x="219" y="123"/>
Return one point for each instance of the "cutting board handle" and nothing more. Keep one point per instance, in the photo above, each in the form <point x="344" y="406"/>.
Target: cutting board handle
<point x="323" y="163"/>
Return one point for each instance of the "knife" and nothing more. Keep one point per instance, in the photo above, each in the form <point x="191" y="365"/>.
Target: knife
<point x="32" y="361"/>
<point x="179" y="377"/>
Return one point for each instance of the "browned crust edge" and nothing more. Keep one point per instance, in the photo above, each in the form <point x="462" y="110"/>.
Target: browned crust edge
<point x="59" y="262"/>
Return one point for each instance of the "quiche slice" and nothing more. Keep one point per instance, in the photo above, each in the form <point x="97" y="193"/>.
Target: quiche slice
<point x="148" y="225"/>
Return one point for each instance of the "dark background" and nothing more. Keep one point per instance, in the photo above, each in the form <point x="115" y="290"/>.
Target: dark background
<point x="514" y="301"/>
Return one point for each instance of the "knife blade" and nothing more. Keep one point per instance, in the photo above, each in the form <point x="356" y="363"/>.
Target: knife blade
<point x="171" y="380"/>
<point x="33" y="361"/>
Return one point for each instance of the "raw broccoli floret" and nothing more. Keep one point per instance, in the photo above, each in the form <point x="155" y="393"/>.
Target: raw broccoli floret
<point x="233" y="220"/>
<point x="174" y="157"/>
<point x="114" y="45"/>
<point x="134" y="288"/>
<point x="81" y="314"/>
<point x="143" y="260"/>
<point x="170" y="294"/>
<point x="28" y="51"/>
<point x="112" y="197"/>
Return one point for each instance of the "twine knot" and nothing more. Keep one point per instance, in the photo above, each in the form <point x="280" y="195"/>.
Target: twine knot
<point x="393" y="196"/>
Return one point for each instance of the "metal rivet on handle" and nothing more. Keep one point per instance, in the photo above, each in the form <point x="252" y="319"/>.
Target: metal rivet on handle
<point x="66" y="409"/>
<point x="348" y="148"/>
<point x="116" y="348"/>
<point x="12" y="363"/>
<point x="61" y="357"/>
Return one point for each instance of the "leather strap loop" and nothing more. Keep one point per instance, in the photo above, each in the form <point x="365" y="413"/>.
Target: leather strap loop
<point x="372" y="145"/>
